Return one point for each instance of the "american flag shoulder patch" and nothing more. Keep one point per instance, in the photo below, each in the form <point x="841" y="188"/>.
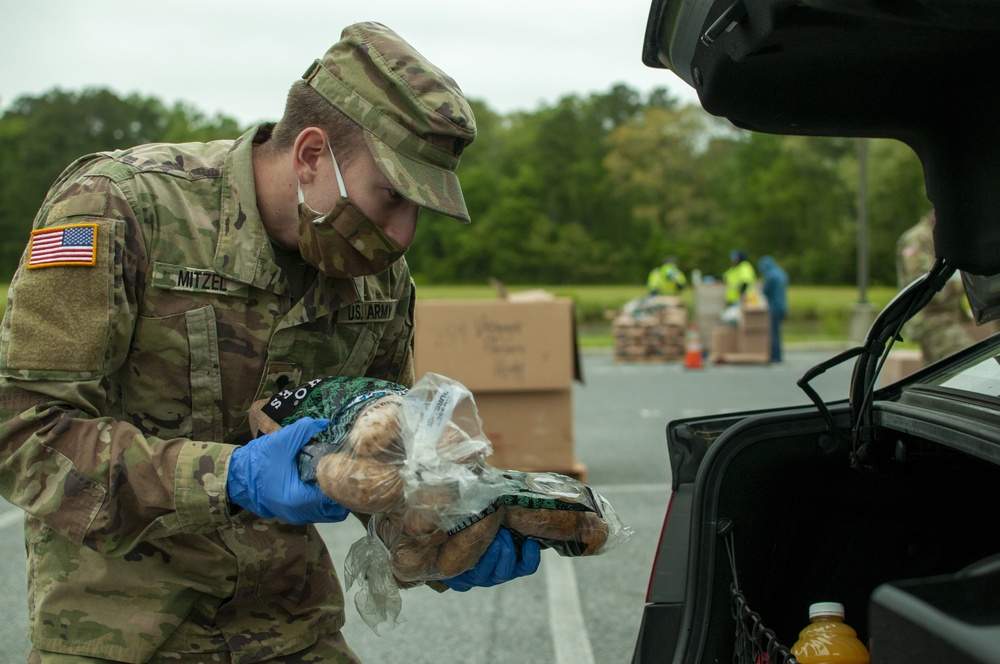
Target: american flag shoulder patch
<point x="75" y="244"/>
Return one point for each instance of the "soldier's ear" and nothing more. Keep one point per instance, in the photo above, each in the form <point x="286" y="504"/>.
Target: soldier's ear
<point x="309" y="148"/>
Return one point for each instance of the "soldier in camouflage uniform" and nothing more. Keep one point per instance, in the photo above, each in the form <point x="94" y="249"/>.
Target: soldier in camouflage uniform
<point x="939" y="327"/>
<point x="167" y="287"/>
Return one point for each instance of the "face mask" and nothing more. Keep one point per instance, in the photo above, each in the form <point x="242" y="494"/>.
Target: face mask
<point x="344" y="242"/>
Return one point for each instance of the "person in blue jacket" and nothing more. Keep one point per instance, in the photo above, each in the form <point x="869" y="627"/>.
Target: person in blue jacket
<point x="774" y="285"/>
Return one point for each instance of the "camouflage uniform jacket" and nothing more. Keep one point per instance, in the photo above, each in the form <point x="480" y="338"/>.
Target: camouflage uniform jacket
<point x="124" y="385"/>
<point x="939" y="326"/>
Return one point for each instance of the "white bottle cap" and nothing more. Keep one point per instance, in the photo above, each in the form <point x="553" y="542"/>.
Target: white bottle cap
<point x="826" y="609"/>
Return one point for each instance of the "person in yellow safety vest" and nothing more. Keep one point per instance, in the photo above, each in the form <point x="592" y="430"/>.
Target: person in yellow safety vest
<point x="739" y="278"/>
<point x="666" y="279"/>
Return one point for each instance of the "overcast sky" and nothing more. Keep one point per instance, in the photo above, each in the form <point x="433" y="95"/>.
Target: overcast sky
<point x="239" y="57"/>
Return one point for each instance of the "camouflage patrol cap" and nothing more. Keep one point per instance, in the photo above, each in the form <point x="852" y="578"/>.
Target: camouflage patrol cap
<point x="415" y="117"/>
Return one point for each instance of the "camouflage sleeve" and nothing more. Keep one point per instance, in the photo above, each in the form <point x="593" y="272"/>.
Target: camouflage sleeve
<point x="101" y="483"/>
<point x="914" y="252"/>
<point x="394" y="361"/>
<point x="65" y="458"/>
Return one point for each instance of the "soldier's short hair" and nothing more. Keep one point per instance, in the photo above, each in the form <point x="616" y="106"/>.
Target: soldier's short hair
<point x="304" y="108"/>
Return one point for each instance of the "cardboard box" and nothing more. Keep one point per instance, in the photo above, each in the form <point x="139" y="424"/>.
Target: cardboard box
<point x="900" y="364"/>
<point x="649" y="338"/>
<point x="529" y="430"/>
<point x="754" y="317"/>
<point x="519" y="357"/>
<point x="724" y="341"/>
<point x="709" y="303"/>
<point x="749" y="342"/>
<point x="755" y="342"/>
<point x="747" y="358"/>
<point x="498" y="345"/>
<point x="752" y="347"/>
<point x="980" y="332"/>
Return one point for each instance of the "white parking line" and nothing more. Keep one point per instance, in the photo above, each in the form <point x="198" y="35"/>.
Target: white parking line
<point x="570" y="638"/>
<point x="11" y="518"/>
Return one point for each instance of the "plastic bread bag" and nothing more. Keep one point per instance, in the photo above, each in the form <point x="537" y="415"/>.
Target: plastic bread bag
<point x="446" y="484"/>
<point x="403" y="549"/>
<point x="559" y="512"/>
<point x="445" y="475"/>
<point x="381" y="434"/>
<point x="455" y="502"/>
<point x="361" y="450"/>
<point x="416" y="461"/>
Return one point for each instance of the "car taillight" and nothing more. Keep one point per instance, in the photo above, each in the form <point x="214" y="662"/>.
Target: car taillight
<point x="659" y="543"/>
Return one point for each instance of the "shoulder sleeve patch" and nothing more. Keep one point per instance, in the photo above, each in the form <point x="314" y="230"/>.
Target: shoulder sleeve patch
<point x="58" y="319"/>
<point x="75" y="244"/>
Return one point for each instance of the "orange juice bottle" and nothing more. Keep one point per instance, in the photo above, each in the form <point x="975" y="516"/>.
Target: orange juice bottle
<point x="827" y="639"/>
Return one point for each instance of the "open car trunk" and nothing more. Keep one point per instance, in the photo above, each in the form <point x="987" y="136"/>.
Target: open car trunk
<point x="887" y="504"/>
<point x="775" y="500"/>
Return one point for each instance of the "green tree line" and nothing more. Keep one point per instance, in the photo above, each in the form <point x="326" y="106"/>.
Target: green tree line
<point x="591" y="189"/>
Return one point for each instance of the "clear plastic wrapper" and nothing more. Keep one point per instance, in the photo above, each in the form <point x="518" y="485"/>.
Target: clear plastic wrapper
<point x="415" y="460"/>
<point x="338" y="399"/>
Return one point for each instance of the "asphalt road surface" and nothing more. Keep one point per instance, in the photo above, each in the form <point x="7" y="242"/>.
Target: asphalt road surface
<point x="573" y="611"/>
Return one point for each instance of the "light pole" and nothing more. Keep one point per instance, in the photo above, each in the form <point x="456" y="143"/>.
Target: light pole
<point x="862" y="315"/>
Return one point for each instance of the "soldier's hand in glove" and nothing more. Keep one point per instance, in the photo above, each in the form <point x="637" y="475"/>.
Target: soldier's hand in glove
<point x="264" y="478"/>
<point x="500" y="563"/>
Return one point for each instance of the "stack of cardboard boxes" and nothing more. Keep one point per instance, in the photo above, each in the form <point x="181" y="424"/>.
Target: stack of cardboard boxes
<point x="519" y="359"/>
<point x="651" y="329"/>
<point x="748" y="342"/>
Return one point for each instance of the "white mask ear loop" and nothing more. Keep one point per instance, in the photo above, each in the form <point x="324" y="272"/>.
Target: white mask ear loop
<point x="336" y="169"/>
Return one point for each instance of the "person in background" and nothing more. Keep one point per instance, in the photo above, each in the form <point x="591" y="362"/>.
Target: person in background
<point x="165" y="288"/>
<point x="666" y="279"/>
<point x="939" y="327"/>
<point x="774" y="286"/>
<point x="740" y="278"/>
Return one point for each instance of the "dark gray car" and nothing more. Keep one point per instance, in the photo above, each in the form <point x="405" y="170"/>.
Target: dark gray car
<point x="888" y="500"/>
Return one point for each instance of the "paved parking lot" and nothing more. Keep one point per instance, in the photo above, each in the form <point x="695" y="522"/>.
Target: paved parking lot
<point x="574" y="611"/>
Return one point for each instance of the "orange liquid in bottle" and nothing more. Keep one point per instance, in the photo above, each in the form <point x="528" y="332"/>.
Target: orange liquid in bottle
<point x="828" y="640"/>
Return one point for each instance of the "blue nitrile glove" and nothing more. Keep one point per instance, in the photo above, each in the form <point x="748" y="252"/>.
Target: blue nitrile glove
<point x="500" y="563"/>
<point x="264" y="478"/>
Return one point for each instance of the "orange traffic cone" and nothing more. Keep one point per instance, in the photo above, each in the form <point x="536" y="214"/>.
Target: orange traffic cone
<point x="692" y="349"/>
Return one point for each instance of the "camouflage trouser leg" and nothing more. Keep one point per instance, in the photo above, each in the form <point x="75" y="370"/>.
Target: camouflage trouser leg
<point x="332" y="649"/>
